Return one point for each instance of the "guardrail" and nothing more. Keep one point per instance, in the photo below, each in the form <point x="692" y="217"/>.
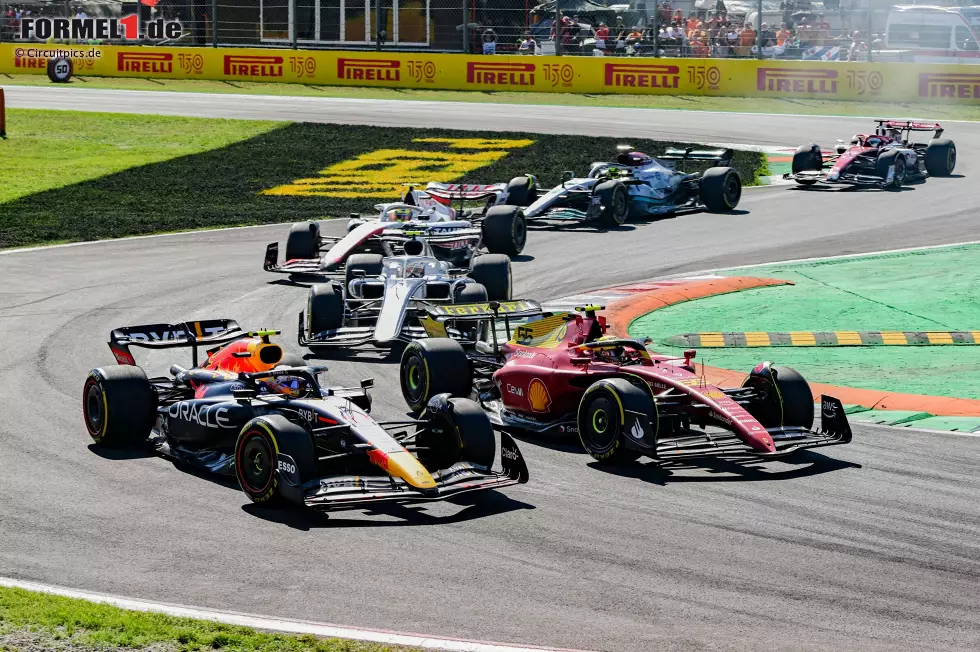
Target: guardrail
<point x="722" y="77"/>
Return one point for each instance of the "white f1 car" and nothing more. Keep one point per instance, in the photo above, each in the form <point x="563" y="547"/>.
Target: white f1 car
<point x="454" y="235"/>
<point x="382" y="298"/>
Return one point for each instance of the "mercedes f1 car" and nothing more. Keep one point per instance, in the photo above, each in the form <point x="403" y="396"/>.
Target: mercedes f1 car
<point x="454" y="235"/>
<point x="246" y="411"/>
<point x="558" y="373"/>
<point x="635" y="185"/>
<point x="885" y="159"/>
<point x="381" y="297"/>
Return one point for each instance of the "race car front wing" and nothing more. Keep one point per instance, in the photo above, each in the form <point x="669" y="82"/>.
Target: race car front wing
<point x="350" y="491"/>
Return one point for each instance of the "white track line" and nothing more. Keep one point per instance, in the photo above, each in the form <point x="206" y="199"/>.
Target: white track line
<point x="280" y="624"/>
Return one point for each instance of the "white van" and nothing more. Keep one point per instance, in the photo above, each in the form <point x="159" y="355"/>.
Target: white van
<point x="935" y="34"/>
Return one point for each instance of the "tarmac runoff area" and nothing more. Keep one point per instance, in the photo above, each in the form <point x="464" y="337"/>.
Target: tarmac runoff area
<point x="927" y="292"/>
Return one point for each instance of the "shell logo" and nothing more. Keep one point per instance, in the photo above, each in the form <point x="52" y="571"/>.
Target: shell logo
<point x="537" y="396"/>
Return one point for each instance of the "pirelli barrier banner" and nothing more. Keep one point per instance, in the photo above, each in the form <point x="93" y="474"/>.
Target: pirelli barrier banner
<point x="895" y="82"/>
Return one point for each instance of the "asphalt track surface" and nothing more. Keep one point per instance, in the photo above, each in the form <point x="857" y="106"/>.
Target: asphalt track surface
<point x="871" y="546"/>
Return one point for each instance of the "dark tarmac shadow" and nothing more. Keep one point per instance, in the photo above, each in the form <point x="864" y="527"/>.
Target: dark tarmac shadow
<point x="136" y="453"/>
<point x="803" y="464"/>
<point x="476" y="505"/>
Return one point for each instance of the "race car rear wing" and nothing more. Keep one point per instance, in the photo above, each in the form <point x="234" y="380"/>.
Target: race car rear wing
<point x="192" y="334"/>
<point x="489" y="310"/>
<point x="910" y="125"/>
<point x="720" y="156"/>
<point x="464" y="191"/>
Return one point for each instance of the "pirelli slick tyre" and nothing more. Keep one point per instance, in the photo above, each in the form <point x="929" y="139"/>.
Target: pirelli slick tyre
<point x="60" y="70"/>
<point x="370" y="264"/>
<point x="493" y="272"/>
<point x="615" y="200"/>
<point x="807" y="158"/>
<point x="434" y="366"/>
<point x="273" y="458"/>
<point x="720" y="189"/>
<point x="119" y="406"/>
<point x="522" y="191"/>
<point x="940" y="157"/>
<point x="303" y="241"/>
<point x="504" y="230"/>
<point x="324" y="308"/>
<point x="461" y="432"/>
<point x="887" y="160"/>
<point x="783" y="397"/>
<point x="602" y="419"/>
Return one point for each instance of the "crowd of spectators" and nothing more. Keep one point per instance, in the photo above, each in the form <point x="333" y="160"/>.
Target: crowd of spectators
<point x="699" y="34"/>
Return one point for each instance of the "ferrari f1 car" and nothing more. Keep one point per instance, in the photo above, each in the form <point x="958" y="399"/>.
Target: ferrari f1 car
<point x="454" y="235"/>
<point x="557" y="373"/>
<point x="243" y="411"/>
<point x="635" y="185"/>
<point x="381" y="297"/>
<point x="885" y="159"/>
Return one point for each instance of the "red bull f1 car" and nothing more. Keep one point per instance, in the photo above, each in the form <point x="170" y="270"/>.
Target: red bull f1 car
<point x="887" y="158"/>
<point x="248" y="411"/>
<point x="558" y="373"/>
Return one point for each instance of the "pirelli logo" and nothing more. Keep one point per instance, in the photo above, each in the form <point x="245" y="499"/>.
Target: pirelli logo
<point x="782" y="80"/>
<point x="500" y="74"/>
<point x="369" y="69"/>
<point x="145" y="62"/>
<point x="642" y="75"/>
<point x="30" y="62"/>
<point x="958" y="85"/>
<point x="253" y="65"/>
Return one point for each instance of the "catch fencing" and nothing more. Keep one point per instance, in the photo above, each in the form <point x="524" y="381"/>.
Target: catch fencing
<point x="833" y="30"/>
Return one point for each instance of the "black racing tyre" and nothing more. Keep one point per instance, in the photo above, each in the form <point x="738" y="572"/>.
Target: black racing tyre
<point x="784" y="397"/>
<point x="615" y="201"/>
<point x="370" y="264"/>
<point x="471" y="293"/>
<point x="303" y="241"/>
<point x="940" y="157"/>
<point x="887" y="159"/>
<point x="119" y="406"/>
<point x="504" y="230"/>
<point x="807" y="158"/>
<point x="602" y="419"/>
<point x="273" y="458"/>
<point x="325" y="308"/>
<point x="522" y="191"/>
<point x="464" y="434"/>
<point x="492" y="271"/>
<point x="434" y="366"/>
<point x="720" y="189"/>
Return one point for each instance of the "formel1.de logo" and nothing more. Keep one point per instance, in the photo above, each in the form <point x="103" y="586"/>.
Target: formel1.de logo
<point x="85" y="29"/>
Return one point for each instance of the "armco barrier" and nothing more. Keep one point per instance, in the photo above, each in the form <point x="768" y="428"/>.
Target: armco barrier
<point x="890" y="82"/>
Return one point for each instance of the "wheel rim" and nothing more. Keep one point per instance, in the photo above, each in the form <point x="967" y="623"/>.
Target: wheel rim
<point x="899" y="172"/>
<point x="520" y="232"/>
<point x="414" y="379"/>
<point x="733" y="191"/>
<point x="620" y="205"/>
<point x="92" y="407"/>
<point x="255" y="463"/>
<point x="599" y="430"/>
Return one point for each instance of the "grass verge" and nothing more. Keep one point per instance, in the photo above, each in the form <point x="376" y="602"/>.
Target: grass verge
<point x="929" y="290"/>
<point x="676" y="102"/>
<point x="234" y="173"/>
<point x="39" y="621"/>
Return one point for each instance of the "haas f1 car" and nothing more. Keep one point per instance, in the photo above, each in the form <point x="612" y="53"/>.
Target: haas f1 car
<point x="635" y="185"/>
<point x="885" y="159"/>
<point x="454" y="235"/>
<point x="557" y="373"/>
<point x="244" y="411"/>
<point x="382" y="297"/>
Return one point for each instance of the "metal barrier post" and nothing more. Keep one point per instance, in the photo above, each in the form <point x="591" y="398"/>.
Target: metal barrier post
<point x="466" y="27"/>
<point x="292" y="23"/>
<point x="558" y="35"/>
<point x="758" y="30"/>
<point x="214" y="23"/>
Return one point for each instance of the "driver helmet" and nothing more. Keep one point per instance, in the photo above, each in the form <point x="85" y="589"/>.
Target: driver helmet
<point x="634" y="159"/>
<point x="894" y="134"/>
<point x="400" y="214"/>
<point x="873" y="141"/>
<point x="293" y="386"/>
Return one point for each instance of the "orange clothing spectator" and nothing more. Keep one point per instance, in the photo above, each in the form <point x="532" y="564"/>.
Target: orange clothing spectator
<point x="782" y="36"/>
<point x="692" y="24"/>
